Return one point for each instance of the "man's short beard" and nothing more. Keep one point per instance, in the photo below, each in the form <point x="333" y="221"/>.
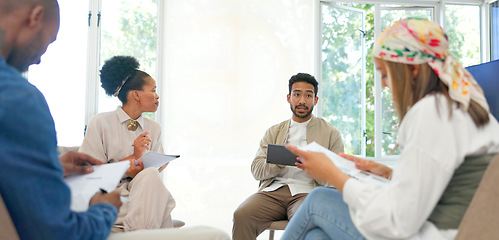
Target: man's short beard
<point x="305" y="116"/>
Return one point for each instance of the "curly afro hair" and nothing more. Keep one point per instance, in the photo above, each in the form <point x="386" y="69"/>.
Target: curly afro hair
<point x="115" y="71"/>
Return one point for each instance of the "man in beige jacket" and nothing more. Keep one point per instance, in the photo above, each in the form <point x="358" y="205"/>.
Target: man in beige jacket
<point x="283" y="188"/>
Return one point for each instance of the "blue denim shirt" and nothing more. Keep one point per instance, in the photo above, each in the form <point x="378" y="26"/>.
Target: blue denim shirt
<point x="31" y="176"/>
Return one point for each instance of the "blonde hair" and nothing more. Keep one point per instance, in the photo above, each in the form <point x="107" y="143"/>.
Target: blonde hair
<point x="407" y="90"/>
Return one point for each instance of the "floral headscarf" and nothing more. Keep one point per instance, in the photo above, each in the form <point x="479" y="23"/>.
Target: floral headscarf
<point x="415" y="41"/>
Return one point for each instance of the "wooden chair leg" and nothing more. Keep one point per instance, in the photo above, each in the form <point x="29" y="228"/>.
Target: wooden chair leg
<point x="271" y="234"/>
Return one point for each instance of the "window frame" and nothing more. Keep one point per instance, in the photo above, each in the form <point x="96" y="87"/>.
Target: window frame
<point x="438" y="16"/>
<point x="319" y="77"/>
<point x="93" y="57"/>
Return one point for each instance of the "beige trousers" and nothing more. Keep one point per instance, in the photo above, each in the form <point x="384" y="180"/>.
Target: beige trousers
<point x="257" y="212"/>
<point x="150" y="203"/>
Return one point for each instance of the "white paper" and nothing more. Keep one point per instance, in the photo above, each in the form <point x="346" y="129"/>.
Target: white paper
<point x="345" y="165"/>
<point x="154" y="159"/>
<point x="83" y="187"/>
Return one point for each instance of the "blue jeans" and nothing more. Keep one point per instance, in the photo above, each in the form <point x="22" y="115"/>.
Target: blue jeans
<point x="323" y="215"/>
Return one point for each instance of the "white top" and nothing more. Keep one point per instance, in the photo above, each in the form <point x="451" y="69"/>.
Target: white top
<point x="433" y="147"/>
<point x="297" y="180"/>
<point x="108" y="139"/>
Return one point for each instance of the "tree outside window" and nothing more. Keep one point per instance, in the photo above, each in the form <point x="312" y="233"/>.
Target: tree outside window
<point x="129" y="27"/>
<point x="337" y="100"/>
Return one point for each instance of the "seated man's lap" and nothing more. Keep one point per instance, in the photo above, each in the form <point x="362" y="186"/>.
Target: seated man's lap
<point x="266" y="207"/>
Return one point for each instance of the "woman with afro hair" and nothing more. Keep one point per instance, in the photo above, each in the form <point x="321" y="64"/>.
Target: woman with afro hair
<point x="125" y="135"/>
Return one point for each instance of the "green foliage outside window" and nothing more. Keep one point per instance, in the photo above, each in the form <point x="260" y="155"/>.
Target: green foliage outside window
<point x="338" y="96"/>
<point x="131" y="30"/>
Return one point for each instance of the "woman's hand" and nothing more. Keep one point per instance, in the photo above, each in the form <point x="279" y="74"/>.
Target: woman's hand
<point x="369" y="166"/>
<point x="133" y="170"/>
<point x="141" y="145"/>
<point x="318" y="166"/>
<point x="160" y="169"/>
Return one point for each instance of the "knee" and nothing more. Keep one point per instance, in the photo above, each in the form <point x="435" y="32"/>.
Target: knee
<point x="242" y="213"/>
<point x="149" y="174"/>
<point x="320" y="194"/>
<point x="316" y="234"/>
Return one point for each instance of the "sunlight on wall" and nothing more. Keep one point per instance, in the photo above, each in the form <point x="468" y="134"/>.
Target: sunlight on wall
<point x="227" y="66"/>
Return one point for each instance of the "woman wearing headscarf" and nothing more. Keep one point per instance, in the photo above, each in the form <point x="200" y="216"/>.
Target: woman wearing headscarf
<point x="447" y="136"/>
<point x="126" y="135"/>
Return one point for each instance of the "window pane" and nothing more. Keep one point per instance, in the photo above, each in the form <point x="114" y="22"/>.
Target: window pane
<point x="391" y="15"/>
<point x="61" y="74"/>
<point x="495" y="30"/>
<point x="129" y="27"/>
<point x="389" y="118"/>
<point x="462" y="25"/>
<point x="342" y="73"/>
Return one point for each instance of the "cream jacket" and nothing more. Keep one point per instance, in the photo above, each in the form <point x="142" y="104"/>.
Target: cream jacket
<point x="318" y="130"/>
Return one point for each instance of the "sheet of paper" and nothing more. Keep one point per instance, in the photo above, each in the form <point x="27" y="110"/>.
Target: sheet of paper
<point x="154" y="159"/>
<point x="83" y="187"/>
<point x="345" y="165"/>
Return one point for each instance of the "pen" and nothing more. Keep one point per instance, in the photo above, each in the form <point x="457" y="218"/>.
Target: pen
<point x="123" y="199"/>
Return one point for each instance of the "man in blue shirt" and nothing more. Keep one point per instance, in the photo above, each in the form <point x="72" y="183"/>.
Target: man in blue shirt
<point x="31" y="175"/>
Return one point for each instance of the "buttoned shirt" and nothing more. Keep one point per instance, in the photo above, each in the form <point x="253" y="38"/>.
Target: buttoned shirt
<point x="108" y="139"/>
<point x="297" y="180"/>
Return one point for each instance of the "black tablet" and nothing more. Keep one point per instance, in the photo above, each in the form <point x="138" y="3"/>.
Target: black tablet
<point x="279" y="154"/>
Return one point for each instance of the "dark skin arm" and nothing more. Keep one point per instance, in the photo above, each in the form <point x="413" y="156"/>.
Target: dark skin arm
<point x="140" y="146"/>
<point x="112" y="198"/>
<point x="79" y="163"/>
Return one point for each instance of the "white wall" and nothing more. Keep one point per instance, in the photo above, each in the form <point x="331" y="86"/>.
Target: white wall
<point x="225" y="73"/>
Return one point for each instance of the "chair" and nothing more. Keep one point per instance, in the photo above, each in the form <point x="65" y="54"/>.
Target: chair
<point x="7" y="229"/>
<point x="480" y="220"/>
<point x="277" y="225"/>
<point x="9" y="232"/>
<point x="177" y="223"/>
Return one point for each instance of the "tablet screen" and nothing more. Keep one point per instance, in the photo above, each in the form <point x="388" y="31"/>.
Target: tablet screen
<point x="279" y="154"/>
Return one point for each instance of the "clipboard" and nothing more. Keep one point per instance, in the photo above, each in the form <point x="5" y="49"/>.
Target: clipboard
<point x="154" y="159"/>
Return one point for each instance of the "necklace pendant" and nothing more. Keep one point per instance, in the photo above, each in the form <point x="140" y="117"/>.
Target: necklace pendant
<point x="132" y="125"/>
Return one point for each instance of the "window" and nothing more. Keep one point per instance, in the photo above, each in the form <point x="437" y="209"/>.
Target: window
<point x="462" y="25"/>
<point x="389" y="119"/>
<point x="129" y="29"/>
<point x="343" y="73"/>
<point x="352" y="98"/>
<point x="61" y="75"/>
<point x="348" y="96"/>
<point x="495" y="30"/>
<point x="70" y="65"/>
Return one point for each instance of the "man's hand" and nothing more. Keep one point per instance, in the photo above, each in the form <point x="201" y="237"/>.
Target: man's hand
<point x="369" y="166"/>
<point x="77" y="163"/>
<point x="112" y="198"/>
